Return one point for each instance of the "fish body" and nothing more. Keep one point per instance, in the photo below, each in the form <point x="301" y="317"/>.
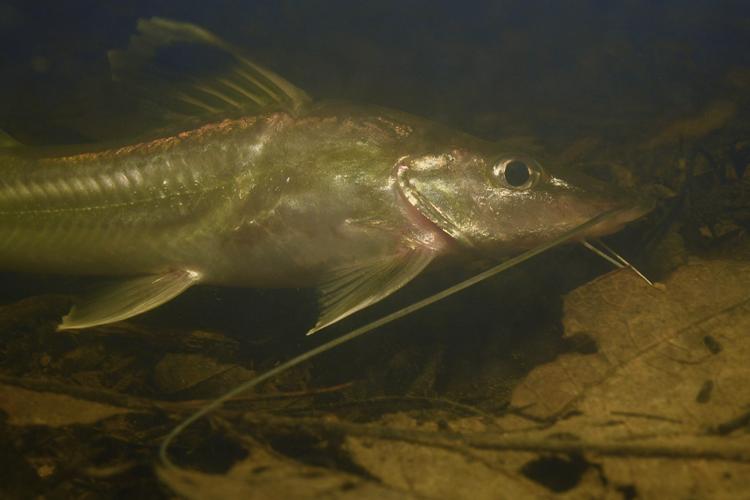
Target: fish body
<point x="269" y="200"/>
<point x="353" y="200"/>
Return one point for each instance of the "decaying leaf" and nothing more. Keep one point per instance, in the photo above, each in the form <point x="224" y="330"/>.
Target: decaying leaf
<point x="25" y="407"/>
<point x="638" y="328"/>
<point x="670" y="374"/>
<point x="433" y="472"/>
<point x="201" y="375"/>
<point x="266" y="475"/>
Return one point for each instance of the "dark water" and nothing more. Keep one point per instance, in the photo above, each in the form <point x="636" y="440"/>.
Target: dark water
<point x="591" y="82"/>
<point x="491" y="68"/>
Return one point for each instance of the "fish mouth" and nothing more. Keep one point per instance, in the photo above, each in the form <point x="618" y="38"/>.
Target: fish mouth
<point x="423" y="213"/>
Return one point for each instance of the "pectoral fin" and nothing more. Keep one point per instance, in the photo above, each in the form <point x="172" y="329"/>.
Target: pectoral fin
<point x="355" y="287"/>
<point x="126" y="299"/>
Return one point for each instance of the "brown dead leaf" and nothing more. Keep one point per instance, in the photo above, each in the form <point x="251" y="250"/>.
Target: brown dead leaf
<point x="670" y="373"/>
<point x="432" y="472"/>
<point x="634" y="324"/>
<point x="201" y="375"/>
<point x="25" y="407"/>
<point x="264" y="475"/>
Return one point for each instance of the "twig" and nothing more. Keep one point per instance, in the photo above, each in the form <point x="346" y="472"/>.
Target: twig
<point x="732" y="425"/>
<point x="433" y="402"/>
<point x="81" y="392"/>
<point x="461" y="442"/>
<point x="146" y="404"/>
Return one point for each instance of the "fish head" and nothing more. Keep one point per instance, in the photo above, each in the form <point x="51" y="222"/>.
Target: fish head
<point x="508" y="203"/>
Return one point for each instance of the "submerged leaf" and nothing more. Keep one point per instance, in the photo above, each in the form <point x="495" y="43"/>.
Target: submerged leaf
<point x="635" y="324"/>
<point x="266" y="475"/>
<point x="25" y="407"/>
<point x="670" y="378"/>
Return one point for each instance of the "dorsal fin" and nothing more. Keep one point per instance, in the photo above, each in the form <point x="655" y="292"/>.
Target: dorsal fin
<point x="192" y="73"/>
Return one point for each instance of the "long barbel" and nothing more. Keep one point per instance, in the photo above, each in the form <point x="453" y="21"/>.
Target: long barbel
<point x="616" y="259"/>
<point x="307" y="355"/>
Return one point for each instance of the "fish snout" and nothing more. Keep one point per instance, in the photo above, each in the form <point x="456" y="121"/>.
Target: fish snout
<point x="630" y="210"/>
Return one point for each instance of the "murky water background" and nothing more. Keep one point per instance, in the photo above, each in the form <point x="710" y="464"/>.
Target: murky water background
<point x="648" y="95"/>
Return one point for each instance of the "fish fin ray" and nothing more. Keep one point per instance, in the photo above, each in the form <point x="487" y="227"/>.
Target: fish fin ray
<point x="352" y="288"/>
<point x="164" y="60"/>
<point x="126" y="299"/>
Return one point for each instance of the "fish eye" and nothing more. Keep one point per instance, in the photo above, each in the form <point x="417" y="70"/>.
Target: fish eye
<point x="516" y="173"/>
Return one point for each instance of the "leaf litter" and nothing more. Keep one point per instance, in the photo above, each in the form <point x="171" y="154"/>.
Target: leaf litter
<point x="659" y="406"/>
